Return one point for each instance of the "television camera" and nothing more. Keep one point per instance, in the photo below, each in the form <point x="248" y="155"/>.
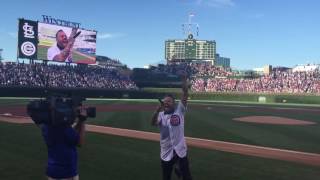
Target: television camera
<point x="59" y="110"/>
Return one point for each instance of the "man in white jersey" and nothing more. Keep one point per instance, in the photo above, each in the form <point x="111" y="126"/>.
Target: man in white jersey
<point x="62" y="50"/>
<point x="169" y="117"/>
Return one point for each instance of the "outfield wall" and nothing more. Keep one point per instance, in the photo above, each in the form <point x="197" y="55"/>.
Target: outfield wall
<point x="259" y="97"/>
<point x="158" y="93"/>
<point x="84" y="92"/>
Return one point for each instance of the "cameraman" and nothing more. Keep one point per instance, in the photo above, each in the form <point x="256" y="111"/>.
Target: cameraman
<point x="62" y="142"/>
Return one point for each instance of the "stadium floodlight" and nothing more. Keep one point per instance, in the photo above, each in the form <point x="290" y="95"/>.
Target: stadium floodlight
<point x="1" y="54"/>
<point x="190" y="28"/>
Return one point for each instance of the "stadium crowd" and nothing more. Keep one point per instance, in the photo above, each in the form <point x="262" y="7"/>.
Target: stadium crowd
<point x="275" y="82"/>
<point x="63" y="76"/>
<point x="193" y="69"/>
<point x="210" y="78"/>
<point x="204" y="78"/>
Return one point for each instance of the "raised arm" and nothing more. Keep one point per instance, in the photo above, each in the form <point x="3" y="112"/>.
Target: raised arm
<point x="185" y="94"/>
<point x="65" y="53"/>
<point x="156" y="114"/>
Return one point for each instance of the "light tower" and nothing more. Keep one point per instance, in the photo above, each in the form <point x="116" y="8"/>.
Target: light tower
<point x="1" y="54"/>
<point x="190" y="28"/>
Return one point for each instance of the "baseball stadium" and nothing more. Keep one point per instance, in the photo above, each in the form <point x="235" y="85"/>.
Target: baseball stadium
<point x="238" y="125"/>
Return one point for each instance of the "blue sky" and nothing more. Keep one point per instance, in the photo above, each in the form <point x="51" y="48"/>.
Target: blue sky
<point x="252" y="33"/>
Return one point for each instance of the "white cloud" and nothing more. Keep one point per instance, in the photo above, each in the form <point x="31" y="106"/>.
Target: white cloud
<point x="217" y="3"/>
<point x="13" y="34"/>
<point x="110" y="35"/>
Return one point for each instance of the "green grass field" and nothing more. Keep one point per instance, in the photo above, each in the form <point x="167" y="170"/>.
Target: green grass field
<point x="214" y="121"/>
<point x="23" y="153"/>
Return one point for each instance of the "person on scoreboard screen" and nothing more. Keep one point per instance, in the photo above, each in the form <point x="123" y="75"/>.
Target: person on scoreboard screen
<point x="62" y="50"/>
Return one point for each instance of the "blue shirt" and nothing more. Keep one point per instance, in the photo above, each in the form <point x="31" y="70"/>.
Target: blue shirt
<point x="62" y="152"/>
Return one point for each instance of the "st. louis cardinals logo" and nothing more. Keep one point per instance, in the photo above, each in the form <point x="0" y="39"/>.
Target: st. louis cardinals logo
<point x="175" y="120"/>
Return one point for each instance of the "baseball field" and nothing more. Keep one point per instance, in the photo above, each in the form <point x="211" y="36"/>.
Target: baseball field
<point x="227" y="140"/>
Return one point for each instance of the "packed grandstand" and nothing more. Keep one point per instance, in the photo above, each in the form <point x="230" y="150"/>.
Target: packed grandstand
<point x="114" y="75"/>
<point x="63" y="76"/>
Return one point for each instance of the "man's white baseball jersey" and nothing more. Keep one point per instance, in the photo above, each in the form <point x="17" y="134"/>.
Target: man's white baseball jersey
<point x="54" y="50"/>
<point x="172" y="133"/>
